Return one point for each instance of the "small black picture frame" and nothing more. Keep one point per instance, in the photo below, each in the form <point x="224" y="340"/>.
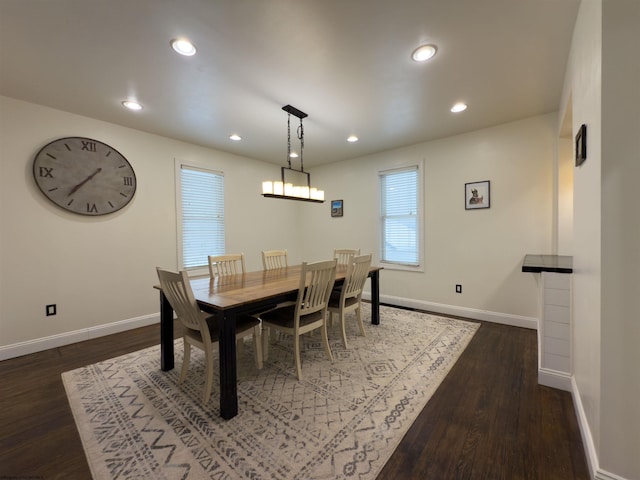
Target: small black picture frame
<point x="477" y="195"/>
<point x="581" y="145"/>
<point x="337" y="208"/>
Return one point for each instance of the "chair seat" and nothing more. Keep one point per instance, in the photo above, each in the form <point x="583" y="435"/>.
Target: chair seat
<point x="243" y="324"/>
<point x="334" y="300"/>
<point x="284" y="317"/>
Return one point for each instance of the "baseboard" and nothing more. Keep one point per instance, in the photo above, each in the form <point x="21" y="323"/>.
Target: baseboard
<point x="604" y="475"/>
<point x="495" y="317"/>
<point x="555" y="379"/>
<point x="587" y="439"/>
<point x="67" y="338"/>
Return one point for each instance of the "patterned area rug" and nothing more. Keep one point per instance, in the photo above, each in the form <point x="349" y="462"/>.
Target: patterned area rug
<point x="342" y="421"/>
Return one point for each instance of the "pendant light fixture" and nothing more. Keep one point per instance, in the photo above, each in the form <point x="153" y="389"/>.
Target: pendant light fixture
<point x="294" y="184"/>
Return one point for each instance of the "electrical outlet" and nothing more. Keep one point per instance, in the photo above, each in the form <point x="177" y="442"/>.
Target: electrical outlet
<point x="51" y="309"/>
<point x="458" y="288"/>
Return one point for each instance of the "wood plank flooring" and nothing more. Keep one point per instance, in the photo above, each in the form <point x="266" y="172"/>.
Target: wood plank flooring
<point x="488" y="420"/>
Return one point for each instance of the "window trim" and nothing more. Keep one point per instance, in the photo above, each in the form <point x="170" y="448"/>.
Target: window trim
<point x="178" y="164"/>
<point x="419" y="166"/>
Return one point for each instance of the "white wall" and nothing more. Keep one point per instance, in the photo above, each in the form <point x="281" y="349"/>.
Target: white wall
<point x="100" y="270"/>
<point x="582" y="85"/>
<point x="480" y="249"/>
<point x="620" y="321"/>
<point x="602" y="80"/>
<point x="565" y="197"/>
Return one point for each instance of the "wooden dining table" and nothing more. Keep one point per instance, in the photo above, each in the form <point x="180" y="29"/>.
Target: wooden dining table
<point x="230" y="296"/>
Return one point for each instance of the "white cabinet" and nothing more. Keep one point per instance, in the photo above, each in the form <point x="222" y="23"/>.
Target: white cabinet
<point x="554" y="331"/>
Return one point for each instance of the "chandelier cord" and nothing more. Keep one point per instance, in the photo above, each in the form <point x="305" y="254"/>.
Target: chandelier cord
<point x="301" y="138"/>
<point x="289" y="140"/>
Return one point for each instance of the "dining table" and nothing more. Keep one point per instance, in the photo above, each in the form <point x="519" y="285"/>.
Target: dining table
<point x="226" y="298"/>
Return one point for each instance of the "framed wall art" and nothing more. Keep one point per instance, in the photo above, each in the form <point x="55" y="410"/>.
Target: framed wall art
<point x="581" y="145"/>
<point x="477" y="195"/>
<point x="337" y="208"/>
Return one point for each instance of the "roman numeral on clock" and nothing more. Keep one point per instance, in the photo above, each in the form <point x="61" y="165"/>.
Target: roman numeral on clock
<point x="46" y="172"/>
<point x="88" y="146"/>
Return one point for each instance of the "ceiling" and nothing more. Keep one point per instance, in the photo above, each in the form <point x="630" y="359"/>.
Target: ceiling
<point x="346" y="63"/>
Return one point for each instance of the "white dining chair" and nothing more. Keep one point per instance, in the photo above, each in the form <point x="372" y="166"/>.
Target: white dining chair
<point x="200" y="329"/>
<point x="309" y="311"/>
<point x="343" y="255"/>
<point x="272" y="259"/>
<point x="349" y="297"/>
<point x="229" y="264"/>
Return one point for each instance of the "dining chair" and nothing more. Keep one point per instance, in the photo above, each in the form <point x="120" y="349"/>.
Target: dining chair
<point x="272" y="259"/>
<point x="349" y="297"/>
<point x="229" y="264"/>
<point x="309" y="311"/>
<point x="223" y="266"/>
<point x="343" y="255"/>
<point x="200" y="328"/>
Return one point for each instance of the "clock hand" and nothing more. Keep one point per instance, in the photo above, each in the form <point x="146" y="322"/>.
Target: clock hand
<point x="75" y="189"/>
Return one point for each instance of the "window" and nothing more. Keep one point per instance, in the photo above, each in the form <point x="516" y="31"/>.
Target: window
<point x="200" y="202"/>
<point x="401" y="217"/>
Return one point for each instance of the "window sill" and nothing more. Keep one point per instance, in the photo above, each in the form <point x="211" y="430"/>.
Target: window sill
<point x="400" y="267"/>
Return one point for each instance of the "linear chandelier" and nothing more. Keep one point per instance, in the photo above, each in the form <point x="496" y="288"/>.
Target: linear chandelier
<point x="294" y="184"/>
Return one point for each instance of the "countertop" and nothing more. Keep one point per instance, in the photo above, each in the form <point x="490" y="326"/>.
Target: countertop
<point x="547" y="263"/>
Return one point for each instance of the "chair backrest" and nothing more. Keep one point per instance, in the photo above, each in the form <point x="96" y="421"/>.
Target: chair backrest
<point x="272" y="259"/>
<point x="357" y="274"/>
<point x="344" y="255"/>
<point x="223" y="265"/>
<point x="316" y="283"/>
<point x="177" y="289"/>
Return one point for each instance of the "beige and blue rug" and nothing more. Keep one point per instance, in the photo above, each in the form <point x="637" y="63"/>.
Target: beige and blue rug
<point x="343" y="421"/>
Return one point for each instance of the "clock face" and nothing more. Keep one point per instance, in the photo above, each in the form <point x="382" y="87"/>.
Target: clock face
<point x="84" y="176"/>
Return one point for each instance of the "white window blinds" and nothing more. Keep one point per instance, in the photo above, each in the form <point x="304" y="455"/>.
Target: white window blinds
<point x="399" y="212"/>
<point x="202" y="215"/>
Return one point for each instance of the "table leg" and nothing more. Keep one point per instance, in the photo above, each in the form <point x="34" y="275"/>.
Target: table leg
<point x="166" y="334"/>
<point x="375" y="298"/>
<point x="228" y="366"/>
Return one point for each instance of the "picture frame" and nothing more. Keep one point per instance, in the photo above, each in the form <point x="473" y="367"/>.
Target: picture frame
<point x="337" y="208"/>
<point x="477" y="195"/>
<point x="581" y="145"/>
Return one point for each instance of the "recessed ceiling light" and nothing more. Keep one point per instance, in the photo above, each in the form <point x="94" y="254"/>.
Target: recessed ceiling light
<point x="183" y="47"/>
<point x="352" y="139"/>
<point x="459" y="107"/>
<point x="424" y="53"/>
<point x="235" y="137"/>
<point x="293" y="155"/>
<point x="132" y="105"/>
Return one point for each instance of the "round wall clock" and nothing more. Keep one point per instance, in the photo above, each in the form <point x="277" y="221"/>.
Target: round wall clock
<point x="84" y="176"/>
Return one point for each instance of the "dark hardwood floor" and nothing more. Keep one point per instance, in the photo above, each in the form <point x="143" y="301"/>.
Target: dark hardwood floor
<point x="488" y="420"/>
